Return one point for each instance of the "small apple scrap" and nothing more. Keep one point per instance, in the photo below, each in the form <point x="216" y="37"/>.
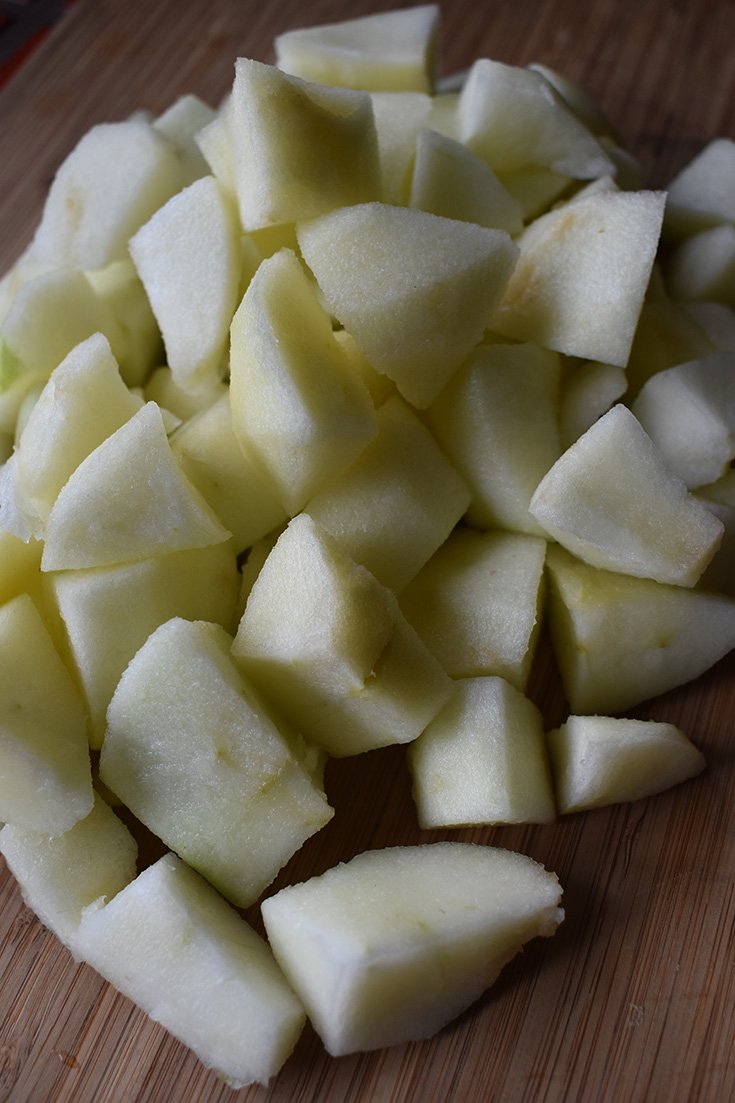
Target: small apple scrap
<point x="297" y="454"/>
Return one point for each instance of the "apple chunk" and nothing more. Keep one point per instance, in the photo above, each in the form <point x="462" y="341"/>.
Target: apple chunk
<point x="391" y="946"/>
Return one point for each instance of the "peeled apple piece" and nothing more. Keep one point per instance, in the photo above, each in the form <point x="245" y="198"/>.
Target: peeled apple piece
<point x="391" y="946"/>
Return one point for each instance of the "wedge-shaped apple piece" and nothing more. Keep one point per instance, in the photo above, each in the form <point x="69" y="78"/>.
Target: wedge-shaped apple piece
<point x="328" y="644"/>
<point x="402" y="473"/>
<point x="497" y="423"/>
<point x="188" y="257"/>
<point x="180" y="123"/>
<point x="94" y="205"/>
<point x="191" y="751"/>
<point x="702" y="267"/>
<point x="482" y="760"/>
<point x="239" y="491"/>
<point x="60" y="875"/>
<point x="587" y="110"/>
<point x="20" y="565"/>
<point x="140" y="348"/>
<point x="589" y="390"/>
<point x="582" y="274"/>
<point x="298" y="409"/>
<point x="46" y="780"/>
<point x="391" y="946"/>
<point x="611" y="500"/>
<point x="277" y="123"/>
<point x="701" y="195"/>
<point x="512" y="117"/>
<point x="215" y="143"/>
<point x="598" y="760"/>
<point x="535" y="188"/>
<point x="476" y="603"/>
<point x="128" y="500"/>
<point x="83" y="403"/>
<point x="416" y="291"/>
<point x="399" y="116"/>
<point x="666" y="334"/>
<point x="393" y="51"/>
<point x="621" y="640"/>
<point x="170" y="943"/>
<point x="451" y="181"/>
<point x="109" y="612"/>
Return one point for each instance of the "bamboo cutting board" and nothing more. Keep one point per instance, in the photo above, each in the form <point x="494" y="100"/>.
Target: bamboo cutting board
<point x="634" y="999"/>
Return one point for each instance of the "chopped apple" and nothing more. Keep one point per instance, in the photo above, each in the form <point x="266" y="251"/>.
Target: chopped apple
<point x="589" y="390"/>
<point x="181" y="123"/>
<point x="701" y="195"/>
<point x="702" y="267"/>
<point x="141" y="348"/>
<point x="399" y="116"/>
<point x="394" y="944"/>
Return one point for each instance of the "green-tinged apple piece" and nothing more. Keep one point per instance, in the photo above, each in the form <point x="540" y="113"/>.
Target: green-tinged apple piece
<point x="126" y="501"/>
<point x="399" y="116"/>
<point x="416" y="291"/>
<point x="277" y="123"/>
<point x="702" y="195"/>
<point x="482" y="760"/>
<point x="188" y="257"/>
<point x="621" y="640"/>
<point x="46" y="778"/>
<point x="702" y="267"/>
<point x="94" y="206"/>
<point x="180" y="124"/>
<point x="20" y="565"/>
<point x="60" y="875"/>
<point x="135" y="598"/>
<point x="401" y="474"/>
<point x="215" y="143"/>
<point x="477" y="603"/>
<point x="392" y="51"/>
<point x="611" y="500"/>
<point x="299" y="412"/>
<point x="581" y="276"/>
<point x="716" y="321"/>
<point x="391" y="946"/>
<point x="588" y="391"/>
<point x="497" y="422"/>
<point x="140" y="348"/>
<point x="166" y="392"/>
<point x="666" y="334"/>
<point x="599" y="760"/>
<point x="194" y="755"/>
<point x="329" y="645"/>
<point x="170" y="943"/>
<point x="535" y="188"/>
<point x="587" y="110"/>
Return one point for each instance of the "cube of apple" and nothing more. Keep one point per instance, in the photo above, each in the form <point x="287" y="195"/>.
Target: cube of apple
<point x="477" y="603"/>
<point x="94" y="206"/>
<point x="611" y="500"/>
<point x="192" y="752"/>
<point x="391" y="946"/>
<point x="128" y="500"/>
<point x="582" y="274"/>
<point x="402" y="473"/>
<point x="482" y="760"/>
<point x="497" y="422"/>
<point x="416" y="291"/>
<point x="512" y="117"/>
<point x="197" y="583"/>
<point x="46" y="780"/>
<point x="60" y="875"/>
<point x="399" y="116"/>
<point x="390" y="51"/>
<point x="599" y="760"/>
<point x="277" y="122"/>
<point x="621" y="640"/>
<point x="449" y="180"/>
<point x="701" y="195"/>
<point x="327" y="643"/>
<point x="298" y="411"/>
<point x="176" y="948"/>
<point x="119" y="287"/>
<point x="702" y="267"/>
<point x="588" y="391"/>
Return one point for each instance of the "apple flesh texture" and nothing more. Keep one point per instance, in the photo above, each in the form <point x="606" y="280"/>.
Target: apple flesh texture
<point x="482" y="760"/>
<point x="60" y="875"/>
<point x="666" y="334"/>
<point x="589" y="390"/>
<point x="497" y="422"/>
<point x="391" y="51"/>
<point x="399" y="117"/>
<point x="169" y="942"/>
<point x="298" y="410"/>
<point x="416" y="291"/>
<point x="276" y="123"/>
<point x="46" y="782"/>
<point x="702" y="267"/>
<point x="477" y="603"/>
<point x="198" y="584"/>
<point x="140" y="348"/>
<point x="701" y="195"/>
<point x="188" y="257"/>
<point x="192" y="752"/>
<point x="128" y="500"/>
<point x="621" y="640"/>
<point x="391" y="946"/>
<point x="401" y="474"/>
<point x="180" y="123"/>
<point x="582" y="274"/>
<point x="612" y="501"/>
<point x="329" y="645"/>
<point x="599" y="760"/>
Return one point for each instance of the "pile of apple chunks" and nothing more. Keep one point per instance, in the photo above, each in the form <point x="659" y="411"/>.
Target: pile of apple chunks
<point x="310" y="406"/>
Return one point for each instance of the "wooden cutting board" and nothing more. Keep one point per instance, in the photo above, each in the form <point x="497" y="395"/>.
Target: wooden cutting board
<point x="635" y="997"/>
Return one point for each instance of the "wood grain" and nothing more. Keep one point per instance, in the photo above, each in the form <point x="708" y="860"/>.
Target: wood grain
<point x="634" y="998"/>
